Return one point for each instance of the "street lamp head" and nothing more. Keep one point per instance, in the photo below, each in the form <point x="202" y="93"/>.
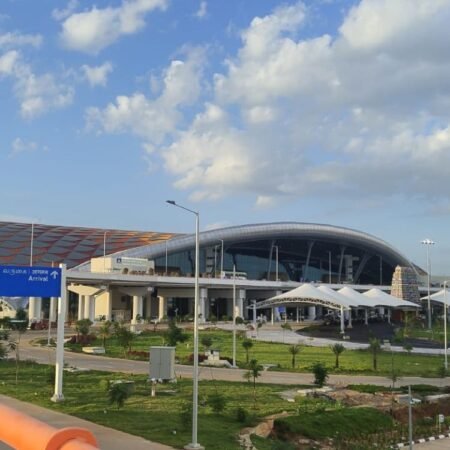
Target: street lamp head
<point x="171" y="202"/>
<point x="427" y="242"/>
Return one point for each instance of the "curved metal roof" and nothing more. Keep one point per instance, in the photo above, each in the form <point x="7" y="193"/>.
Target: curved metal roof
<point x="69" y="245"/>
<point x="242" y="233"/>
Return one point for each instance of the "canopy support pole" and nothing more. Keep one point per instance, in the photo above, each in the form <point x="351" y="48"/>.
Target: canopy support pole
<point x="342" y="321"/>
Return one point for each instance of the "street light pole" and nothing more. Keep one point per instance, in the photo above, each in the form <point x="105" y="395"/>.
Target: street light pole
<point x="194" y="444"/>
<point x="445" y="326"/>
<point x="221" y="258"/>
<point x="428" y="242"/>
<point x="329" y="267"/>
<point x="276" y="262"/>
<point x="234" y="316"/>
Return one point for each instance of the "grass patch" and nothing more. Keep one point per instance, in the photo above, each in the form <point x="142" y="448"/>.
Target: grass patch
<point x="351" y="361"/>
<point x="327" y="424"/>
<point x="157" y="418"/>
<point x="270" y="444"/>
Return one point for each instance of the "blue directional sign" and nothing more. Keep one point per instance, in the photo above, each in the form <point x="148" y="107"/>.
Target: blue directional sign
<point x="34" y="281"/>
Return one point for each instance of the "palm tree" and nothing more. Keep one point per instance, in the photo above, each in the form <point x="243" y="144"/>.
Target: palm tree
<point x="375" y="348"/>
<point x="337" y="349"/>
<point x="294" y="350"/>
<point x="247" y="344"/>
<point x="254" y="371"/>
<point x="105" y="331"/>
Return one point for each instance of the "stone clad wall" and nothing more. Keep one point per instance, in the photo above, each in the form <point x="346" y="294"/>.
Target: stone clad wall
<point x="404" y="284"/>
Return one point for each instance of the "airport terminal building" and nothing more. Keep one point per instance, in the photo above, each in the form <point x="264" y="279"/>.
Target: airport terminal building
<point x="127" y="275"/>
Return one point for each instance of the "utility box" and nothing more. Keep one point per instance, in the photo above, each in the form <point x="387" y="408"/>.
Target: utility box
<point x="162" y="363"/>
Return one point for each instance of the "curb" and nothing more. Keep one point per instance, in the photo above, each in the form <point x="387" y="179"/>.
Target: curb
<point x="423" y="440"/>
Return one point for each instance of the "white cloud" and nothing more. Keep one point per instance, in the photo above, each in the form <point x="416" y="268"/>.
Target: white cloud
<point x="93" y="30"/>
<point x="364" y="113"/>
<point x="15" y="39"/>
<point x="36" y="93"/>
<point x="8" y="62"/>
<point x="20" y="146"/>
<point x="153" y="119"/>
<point x="61" y="14"/>
<point x="202" y="10"/>
<point x="97" y="75"/>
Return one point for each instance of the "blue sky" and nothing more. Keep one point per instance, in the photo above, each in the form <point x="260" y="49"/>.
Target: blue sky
<point x="250" y="111"/>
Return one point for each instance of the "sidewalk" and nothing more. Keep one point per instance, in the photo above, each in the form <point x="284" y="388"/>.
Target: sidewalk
<point x="107" y="438"/>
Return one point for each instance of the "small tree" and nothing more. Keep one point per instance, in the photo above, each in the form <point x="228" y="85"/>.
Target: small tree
<point x="19" y="324"/>
<point x="374" y="348"/>
<point x="337" y="349"/>
<point x="247" y="344"/>
<point x="105" y="331"/>
<point x="82" y="327"/>
<point x="408" y="348"/>
<point x="294" y="350"/>
<point x="124" y="337"/>
<point x="117" y="393"/>
<point x="206" y="342"/>
<point x="254" y="372"/>
<point x="217" y="401"/>
<point x="174" y="334"/>
<point x="320" y="374"/>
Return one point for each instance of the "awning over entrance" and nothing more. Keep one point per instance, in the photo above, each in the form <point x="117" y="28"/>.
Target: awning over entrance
<point x="306" y="294"/>
<point x="345" y="298"/>
<point x="442" y="297"/>
<point x="380" y="298"/>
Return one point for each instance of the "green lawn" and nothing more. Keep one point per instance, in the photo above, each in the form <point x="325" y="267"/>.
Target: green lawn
<point x="154" y="418"/>
<point x="351" y="361"/>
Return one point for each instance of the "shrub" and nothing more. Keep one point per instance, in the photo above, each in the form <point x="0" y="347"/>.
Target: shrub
<point x="117" y="393"/>
<point x="241" y="415"/>
<point x="239" y="320"/>
<point x="320" y="374"/>
<point x="217" y="402"/>
<point x="201" y="358"/>
<point x="186" y="415"/>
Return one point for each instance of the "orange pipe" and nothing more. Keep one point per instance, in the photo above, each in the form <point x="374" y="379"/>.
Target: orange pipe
<point x="22" y="432"/>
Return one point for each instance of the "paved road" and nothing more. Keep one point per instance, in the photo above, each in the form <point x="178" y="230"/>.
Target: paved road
<point x="80" y="360"/>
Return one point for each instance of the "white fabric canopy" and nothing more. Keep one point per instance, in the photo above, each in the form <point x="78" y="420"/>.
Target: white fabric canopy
<point x="339" y="297"/>
<point x="306" y="294"/>
<point x="380" y="298"/>
<point x="439" y="297"/>
<point x="360" y="300"/>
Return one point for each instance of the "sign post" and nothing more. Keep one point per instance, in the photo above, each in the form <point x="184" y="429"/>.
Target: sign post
<point x="59" y="364"/>
<point x="37" y="281"/>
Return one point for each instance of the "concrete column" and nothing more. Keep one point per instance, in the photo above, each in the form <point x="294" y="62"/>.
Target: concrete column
<point x="162" y="311"/>
<point x="297" y="314"/>
<point x="203" y="298"/>
<point x="272" y="315"/>
<point x="108" y="301"/>
<point x="389" y="315"/>
<point x="137" y="308"/>
<point x="53" y="306"/>
<point x="350" y="319"/>
<point x="366" y="317"/>
<point x="34" y="309"/>
<point x="87" y="306"/>
<point x="311" y="312"/>
<point x="80" y="307"/>
<point x="241" y="294"/>
<point x="92" y="309"/>
<point x="31" y="309"/>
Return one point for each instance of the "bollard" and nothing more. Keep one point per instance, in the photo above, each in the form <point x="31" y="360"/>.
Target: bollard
<point x="23" y="432"/>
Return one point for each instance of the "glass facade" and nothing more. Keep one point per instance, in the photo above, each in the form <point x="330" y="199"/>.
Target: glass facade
<point x="291" y="259"/>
